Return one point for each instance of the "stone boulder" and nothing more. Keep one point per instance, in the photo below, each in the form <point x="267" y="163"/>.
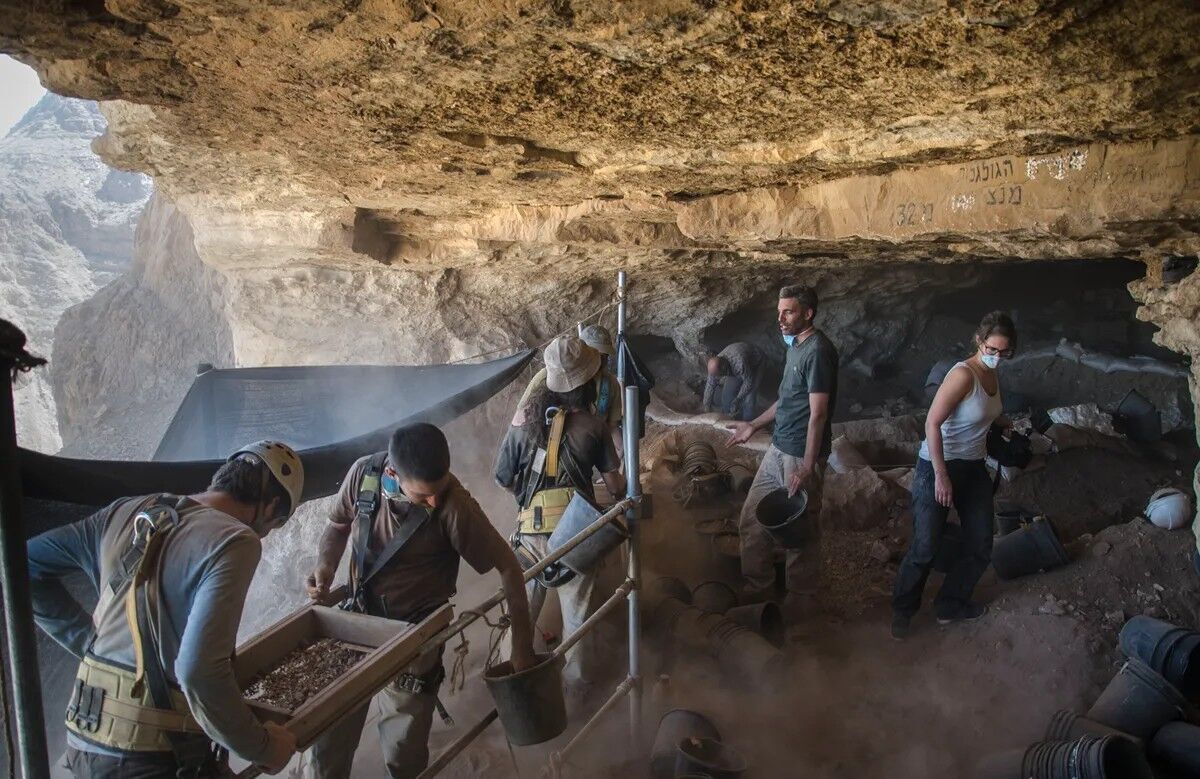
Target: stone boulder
<point x="858" y="499"/>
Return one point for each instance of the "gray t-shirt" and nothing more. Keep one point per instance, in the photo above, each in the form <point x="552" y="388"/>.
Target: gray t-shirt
<point x="811" y="367"/>
<point x="206" y="567"/>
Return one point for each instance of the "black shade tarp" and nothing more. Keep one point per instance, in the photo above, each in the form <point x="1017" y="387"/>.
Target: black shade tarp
<point x="331" y="414"/>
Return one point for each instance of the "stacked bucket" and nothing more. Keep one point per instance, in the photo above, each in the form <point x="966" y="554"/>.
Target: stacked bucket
<point x="1144" y="724"/>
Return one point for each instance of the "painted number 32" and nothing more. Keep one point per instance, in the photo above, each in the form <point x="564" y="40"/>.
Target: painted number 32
<point x="913" y="214"/>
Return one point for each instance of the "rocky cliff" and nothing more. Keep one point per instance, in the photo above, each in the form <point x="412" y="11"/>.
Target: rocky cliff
<point x="409" y="182"/>
<point x="66" y="229"/>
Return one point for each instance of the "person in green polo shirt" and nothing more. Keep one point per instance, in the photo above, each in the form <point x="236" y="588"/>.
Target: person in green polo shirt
<point x="796" y="458"/>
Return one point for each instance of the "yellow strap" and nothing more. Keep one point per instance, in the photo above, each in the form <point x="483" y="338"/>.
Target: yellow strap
<point x="146" y="569"/>
<point x="131" y="620"/>
<point x="556" y="433"/>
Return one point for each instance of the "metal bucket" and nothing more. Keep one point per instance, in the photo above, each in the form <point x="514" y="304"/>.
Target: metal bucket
<point x="675" y="726"/>
<point x="785" y="518"/>
<point x="575" y="519"/>
<point x="530" y="703"/>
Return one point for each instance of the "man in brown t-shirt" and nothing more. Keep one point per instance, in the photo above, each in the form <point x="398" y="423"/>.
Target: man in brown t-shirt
<point x="417" y="490"/>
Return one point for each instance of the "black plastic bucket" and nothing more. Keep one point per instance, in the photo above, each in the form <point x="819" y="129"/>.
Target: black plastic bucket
<point x="530" y="703"/>
<point x="949" y="548"/>
<point x="1033" y="548"/>
<point x="1172" y="651"/>
<point x="708" y="756"/>
<point x="1138" y="418"/>
<point x="765" y="619"/>
<point x="1177" y="746"/>
<point x="1089" y="757"/>
<point x="675" y="726"/>
<point x="1066" y="725"/>
<point x="714" y="596"/>
<point x="1010" y="520"/>
<point x="1138" y="701"/>
<point x="786" y="518"/>
<point x="668" y="587"/>
<point x="576" y="518"/>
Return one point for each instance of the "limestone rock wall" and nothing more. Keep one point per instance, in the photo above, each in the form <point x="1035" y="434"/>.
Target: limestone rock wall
<point x="123" y="359"/>
<point x="66" y="230"/>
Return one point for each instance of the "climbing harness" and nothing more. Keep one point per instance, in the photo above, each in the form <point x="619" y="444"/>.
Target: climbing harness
<point x="138" y="709"/>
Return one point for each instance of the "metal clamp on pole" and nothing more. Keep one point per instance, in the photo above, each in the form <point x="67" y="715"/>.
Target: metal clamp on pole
<point x="26" y="708"/>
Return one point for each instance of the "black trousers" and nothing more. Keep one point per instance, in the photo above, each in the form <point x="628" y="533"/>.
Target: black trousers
<point x="156" y="765"/>
<point x="972" y="488"/>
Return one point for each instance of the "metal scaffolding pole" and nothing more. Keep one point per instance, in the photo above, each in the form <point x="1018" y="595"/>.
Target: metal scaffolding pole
<point x="21" y="647"/>
<point x="633" y="491"/>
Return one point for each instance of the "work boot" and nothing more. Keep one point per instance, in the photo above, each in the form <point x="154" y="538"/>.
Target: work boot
<point x="901" y="626"/>
<point x="965" y="613"/>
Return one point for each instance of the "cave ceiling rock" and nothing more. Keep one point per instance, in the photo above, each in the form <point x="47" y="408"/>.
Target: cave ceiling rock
<point x="378" y="103"/>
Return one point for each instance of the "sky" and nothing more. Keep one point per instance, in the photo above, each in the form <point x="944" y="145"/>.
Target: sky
<point x="19" y="90"/>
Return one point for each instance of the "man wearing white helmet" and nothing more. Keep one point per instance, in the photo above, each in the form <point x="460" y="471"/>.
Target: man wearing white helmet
<point x="607" y="401"/>
<point x="559" y="418"/>
<point x="156" y="687"/>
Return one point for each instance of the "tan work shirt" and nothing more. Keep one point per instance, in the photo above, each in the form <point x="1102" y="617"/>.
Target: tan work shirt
<point x="423" y="574"/>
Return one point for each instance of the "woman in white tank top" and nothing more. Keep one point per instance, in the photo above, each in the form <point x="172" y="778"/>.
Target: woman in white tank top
<point x="951" y="472"/>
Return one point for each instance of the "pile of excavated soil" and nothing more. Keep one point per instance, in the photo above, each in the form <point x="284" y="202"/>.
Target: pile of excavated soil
<point x="1086" y="490"/>
<point x="303" y="673"/>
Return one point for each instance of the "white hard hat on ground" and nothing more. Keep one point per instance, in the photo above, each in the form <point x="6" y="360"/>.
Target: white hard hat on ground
<point x="1169" y="509"/>
<point x="283" y="463"/>
<point x="569" y="363"/>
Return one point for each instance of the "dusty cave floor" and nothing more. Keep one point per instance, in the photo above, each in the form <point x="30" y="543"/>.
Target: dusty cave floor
<point x="855" y="703"/>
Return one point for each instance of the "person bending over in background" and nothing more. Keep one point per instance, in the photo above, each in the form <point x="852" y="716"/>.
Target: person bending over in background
<point x="412" y="521"/>
<point x="951" y="472"/>
<point x="733" y="378"/>
<point x="172" y="575"/>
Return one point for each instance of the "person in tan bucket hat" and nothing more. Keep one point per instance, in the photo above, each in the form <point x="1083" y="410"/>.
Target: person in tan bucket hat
<point x="544" y="462"/>
<point x="607" y="403"/>
<point x="569" y="363"/>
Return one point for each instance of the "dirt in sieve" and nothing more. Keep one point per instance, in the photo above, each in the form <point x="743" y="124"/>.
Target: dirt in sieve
<point x="303" y="673"/>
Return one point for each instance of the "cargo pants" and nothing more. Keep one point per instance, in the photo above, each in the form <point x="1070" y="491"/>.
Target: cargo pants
<point x="405" y="719"/>
<point x="803" y="567"/>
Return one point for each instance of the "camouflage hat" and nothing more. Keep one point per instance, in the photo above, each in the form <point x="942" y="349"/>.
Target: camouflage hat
<point x="569" y="363"/>
<point x="598" y="337"/>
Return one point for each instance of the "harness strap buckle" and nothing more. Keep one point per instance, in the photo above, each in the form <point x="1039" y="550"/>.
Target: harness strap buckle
<point x="85" y="706"/>
<point x="411" y="683"/>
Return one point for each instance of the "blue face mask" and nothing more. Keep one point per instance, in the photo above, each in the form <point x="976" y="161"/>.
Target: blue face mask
<point x="787" y="339"/>
<point x="390" y="486"/>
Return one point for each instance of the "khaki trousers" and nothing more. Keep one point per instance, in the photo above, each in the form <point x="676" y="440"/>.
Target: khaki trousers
<point x="758" y="547"/>
<point x="577" y="600"/>
<point x="405" y="720"/>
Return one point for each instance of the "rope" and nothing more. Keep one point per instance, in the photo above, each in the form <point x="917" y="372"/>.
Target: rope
<point x="543" y="344"/>
<point x="458" y="671"/>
